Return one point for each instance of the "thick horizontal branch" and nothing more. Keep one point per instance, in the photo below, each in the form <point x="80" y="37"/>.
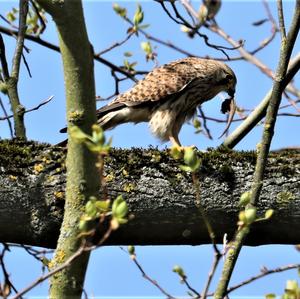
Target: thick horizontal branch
<point x="159" y="194"/>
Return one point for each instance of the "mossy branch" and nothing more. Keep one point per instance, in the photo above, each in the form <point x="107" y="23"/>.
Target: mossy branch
<point x="287" y="45"/>
<point x="159" y="194"/>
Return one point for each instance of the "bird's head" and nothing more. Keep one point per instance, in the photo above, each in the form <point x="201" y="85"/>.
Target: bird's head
<point x="228" y="80"/>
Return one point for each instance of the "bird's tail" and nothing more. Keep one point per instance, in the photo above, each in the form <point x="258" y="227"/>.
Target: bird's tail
<point x="108" y="116"/>
<point x="109" y="120"/>
<point x="111" y="115"/>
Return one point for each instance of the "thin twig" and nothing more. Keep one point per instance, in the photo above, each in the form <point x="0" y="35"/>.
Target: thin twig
<point x="4" y="271"/>
<point x="42" y="26"/>
<point x="185" y="281"/>
<point x="30" y="110"/>
<point x="216" y="260"/>
<point x="23" y="9"/>
<point x="36" y="253"/>
<point x="203" y="116"/>
<point x="3" y="59"/>
<point x="184" y="22"/>
<point x="8" y="120"/>
<point x="263" y="273"/>
<point x="8" y="22"/>
<point x="147" y="277"/>
<point x="248" y="56"/>
<point x="115" y="45"/>
<point x="274" y="29"/>
<point x="26" y="65"/>
<point x="160" y="41"/>
<point x="51" y="46"/>
<point x="281" y="19"/>
<point x="83" y="248"/>
<point x="292" y="102"/>
<point x="204" y="36"/>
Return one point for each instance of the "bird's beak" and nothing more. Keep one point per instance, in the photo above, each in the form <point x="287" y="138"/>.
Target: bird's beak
<point x="231" y="92"/>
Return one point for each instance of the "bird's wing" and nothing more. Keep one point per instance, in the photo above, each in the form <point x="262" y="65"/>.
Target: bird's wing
<point x="114" y="106"/>
<point x="158" y="84"/>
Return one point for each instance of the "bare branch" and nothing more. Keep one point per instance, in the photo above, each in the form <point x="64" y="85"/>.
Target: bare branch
<point x="203" y="116"/>
<point x="216" y="260"/>
<point x="85" y="247"/>
<point x="42" y="22"/>
<point x="7" y="280"/>
<point x="115" y="45"/>
<point x="3" y="59"/>
<point x="264" y="272"/>
<point x="51" y="46"/>
<point x="147" y="277"/>
<point x="23" y="9"/>
<point x="30" y="110"/>
<point x="8" y="120"/>
<point x="195" y="30"/>
<point x="281" y="19"/>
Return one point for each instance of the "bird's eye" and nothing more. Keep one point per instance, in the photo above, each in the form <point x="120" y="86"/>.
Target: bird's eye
<point x="229" y="77"/>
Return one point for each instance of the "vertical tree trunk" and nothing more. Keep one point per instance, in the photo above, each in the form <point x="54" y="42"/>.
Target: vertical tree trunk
<point x="82" y="176"/>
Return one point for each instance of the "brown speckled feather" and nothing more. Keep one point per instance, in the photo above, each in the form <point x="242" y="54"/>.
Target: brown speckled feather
<point x="166" y="80"/>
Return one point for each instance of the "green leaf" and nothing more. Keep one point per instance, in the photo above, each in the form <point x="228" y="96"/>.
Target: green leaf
<point x="250" y="215"/>
<point x="191" y="160"/>
<point x="245" y="198"/>
<point x="122" y="220"/>
<point x="131" y="249"/>
<point x="119" y="207"/>
<point x="189" y="157"/>
<point x="270" y="296"/>
<point x="177" y="269"/>
<point x="144" y="26"/>
<point x="196" y="123"/>
<point x="10" y="17"/>
<point x="146" y="46"/>
<point x="90" y="209"/>
<point x="98" y="135"/>
<point x="127" y="54"/>
<point x="77" y="134"/>
<point x="119" y="10"/>
<point x="3" y="87"/>
<point x="102" y="205"/>
<point x="186" y="168"/>
<point x="121" y="210"/>
<point x="269" y="213"/>
<point x="83" y="225"/>
<point x="175" y="152"/>
<point x="138" y="16"/>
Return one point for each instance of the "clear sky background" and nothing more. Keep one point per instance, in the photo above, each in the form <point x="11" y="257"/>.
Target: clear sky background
<point x="111" y="273"/>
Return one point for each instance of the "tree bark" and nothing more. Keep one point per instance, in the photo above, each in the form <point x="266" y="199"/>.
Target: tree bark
<point x="160" y="195"/>
<point x="82" y="174"/>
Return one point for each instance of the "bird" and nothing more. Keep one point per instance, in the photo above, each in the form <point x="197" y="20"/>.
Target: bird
<point x="208" y="10"/>
<point x="169" y="95"/>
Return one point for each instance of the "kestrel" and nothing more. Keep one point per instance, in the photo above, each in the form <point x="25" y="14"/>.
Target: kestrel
<point x="169" y="95"/>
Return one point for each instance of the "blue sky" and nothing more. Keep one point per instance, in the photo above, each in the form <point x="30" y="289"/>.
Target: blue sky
<point x="111" y="273"/>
